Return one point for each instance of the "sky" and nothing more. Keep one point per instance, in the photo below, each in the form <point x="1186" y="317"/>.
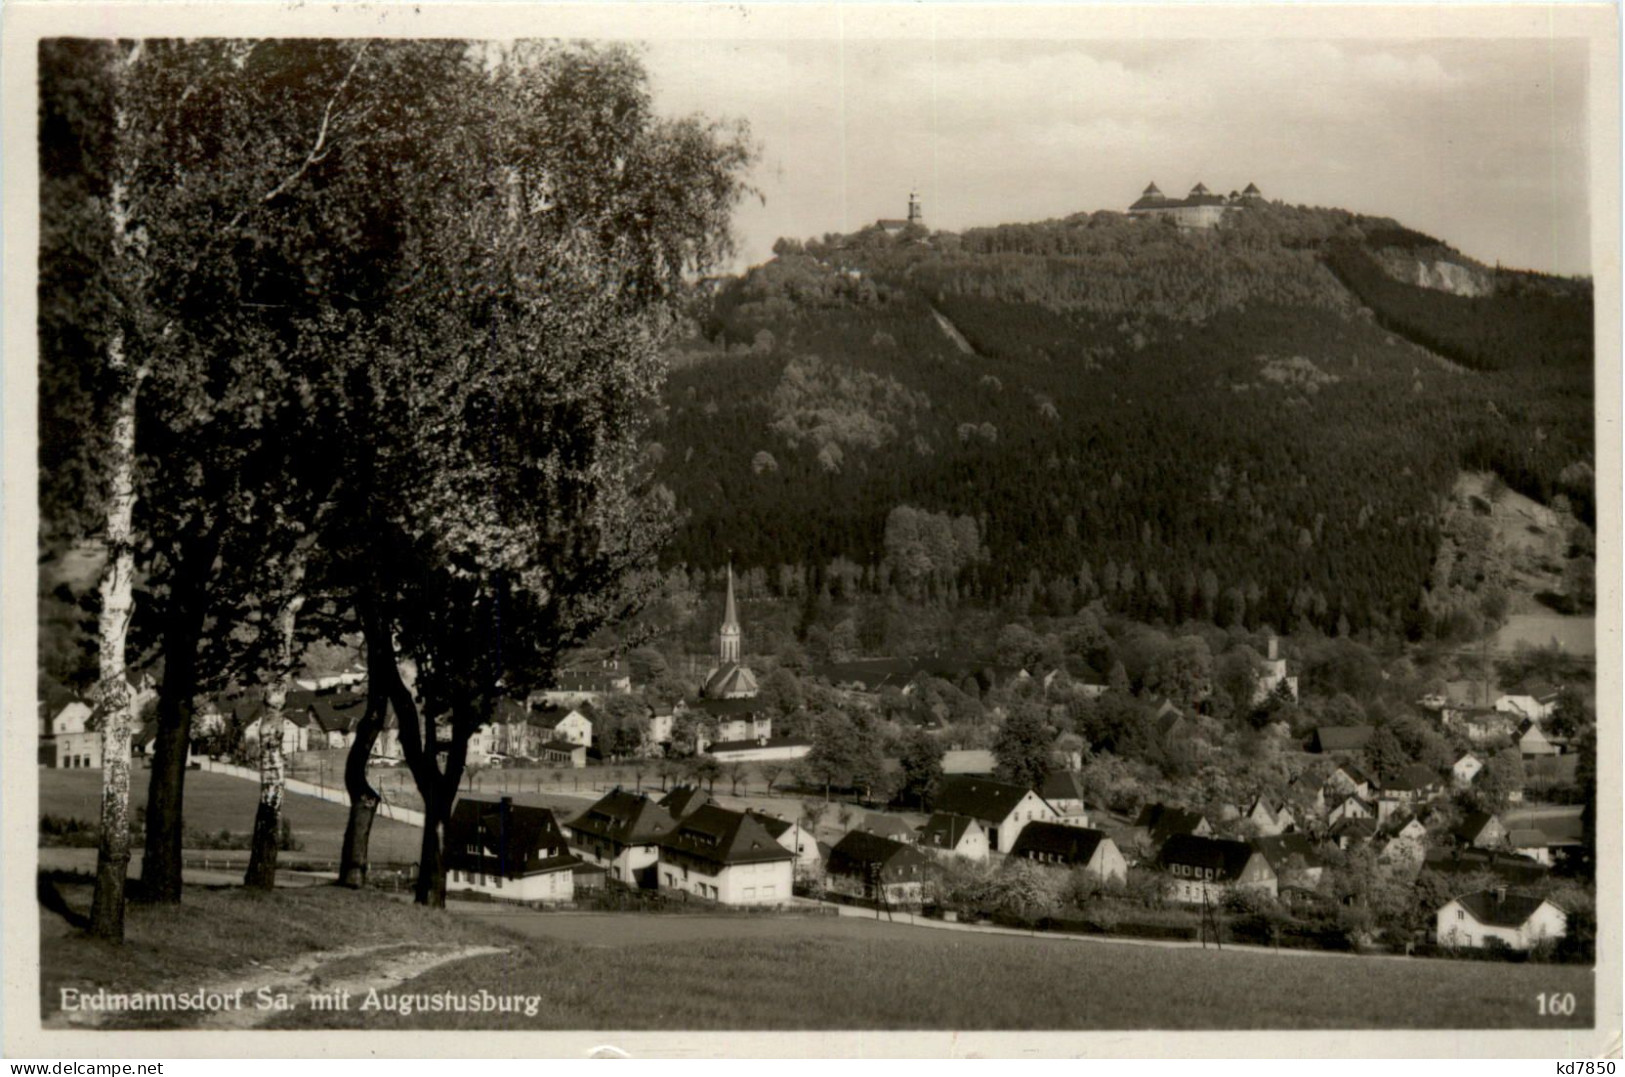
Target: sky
<point x="1482" y="143"/>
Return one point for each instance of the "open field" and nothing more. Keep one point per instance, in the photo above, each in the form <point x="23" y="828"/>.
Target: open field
<point x="728" y="972"/>
<point x="216" y="802"/>
<point x="1573" y="635"/>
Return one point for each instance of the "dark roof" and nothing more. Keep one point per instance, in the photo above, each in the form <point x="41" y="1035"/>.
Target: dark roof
<point x="1356" y="826"/>
<point x="884" y="825"/>
<point x="1416" y="776"/>
<point x="1061" y="785"/>
<point x="684" y="799"/>
<point x="1340" y="738"/>
<point x="1227" y="859"/>
<point x="757" y="742"/>
<point x="1251" y="188"/>
<point x="510" y="840"/>
<point x="1509" y="866"/>
<point x="771" y="823"/>
<point x="724" y="837"/>
<point x="1472" y="825"/>
<point x="339" y="713"/>
<point x="1488" y="907"/>
<point x="565" y="746"/>
<point x="944" y="830"/>
<point x="719" y="708"/>
<point x="1165" y="822"/>
<point x="1070" y="844"/>
<point x="873" y="673"/>
<point x="1282" y="848"/>
<point x="858" y="854"/>
<point x="627" y="818"/>
<point x="979" y="798"/>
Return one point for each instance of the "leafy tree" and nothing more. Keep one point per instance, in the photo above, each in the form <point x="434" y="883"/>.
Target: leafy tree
<point x="1570" y="715"/>
<point x="1385" y="754"/>
<point x="1183" y="672"/>
<point x="920" y="761"/>
<point x="1022" y="747"/>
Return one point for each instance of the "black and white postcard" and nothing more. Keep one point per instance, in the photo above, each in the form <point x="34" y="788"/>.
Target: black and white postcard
<point x="919" y="529"/>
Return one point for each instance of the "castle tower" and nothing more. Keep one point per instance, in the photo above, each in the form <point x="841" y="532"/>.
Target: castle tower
<point x="730" y="624"/>
<point x="916" y="215"/>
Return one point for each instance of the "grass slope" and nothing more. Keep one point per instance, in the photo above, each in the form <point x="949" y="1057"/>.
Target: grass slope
<point x="216" y="802"/>
<point x="684" y="972"/>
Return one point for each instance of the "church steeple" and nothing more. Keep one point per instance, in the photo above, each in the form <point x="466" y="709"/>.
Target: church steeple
<point x="730" y="623"/>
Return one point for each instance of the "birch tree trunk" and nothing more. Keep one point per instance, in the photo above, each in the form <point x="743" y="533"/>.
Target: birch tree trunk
<point x="261" y="874"/>
<point x="117" y="590"/>
<point x="113" y="626"/>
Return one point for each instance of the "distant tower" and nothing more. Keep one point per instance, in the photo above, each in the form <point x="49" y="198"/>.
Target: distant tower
<point x="915" y="214"/>
<point x="730" y="624"/>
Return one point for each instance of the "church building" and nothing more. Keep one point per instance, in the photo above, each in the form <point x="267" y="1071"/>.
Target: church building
<point x="730" y="678"/>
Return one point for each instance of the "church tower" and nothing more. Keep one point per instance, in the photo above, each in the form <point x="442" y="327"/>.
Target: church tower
<point x="730" y="624"/>
<point x="915" y="214"/>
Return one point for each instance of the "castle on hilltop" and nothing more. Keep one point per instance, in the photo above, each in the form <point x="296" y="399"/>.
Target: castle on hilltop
<point x="1199" y="209"/>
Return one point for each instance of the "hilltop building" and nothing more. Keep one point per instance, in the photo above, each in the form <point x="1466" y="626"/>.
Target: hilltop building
<point x="1272" y="675"/>
<point x="916" y="216"/>
<point x="1199" y="209"/>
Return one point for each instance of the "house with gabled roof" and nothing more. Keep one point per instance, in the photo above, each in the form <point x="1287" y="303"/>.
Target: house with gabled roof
<point x="1352" y="806"/>
<point x="1465" y="769"/>
<point x="621" y="833"/>
<point x="1533" y="742"/>
<point x="1346" y="779"/>
<point x="1206" y="869"/>
<point x="1156" y="823"/>
<point x="1268" y="816"/>
<point x="872" y="868"/>
<point x="888" y="826"/>
<point x="794" y="837"/>
<point x="1002" y="809"/>
<point x="1293" y="858"/>
<point x="508" y="851"/>
<point x="1063" y="791"/>
<point x="959" y="835"/>
<point x="727" y="857"/>
<point x="1491" y="917"/>
<point x="1072" y="847"/>
<point x="685" y="800"/>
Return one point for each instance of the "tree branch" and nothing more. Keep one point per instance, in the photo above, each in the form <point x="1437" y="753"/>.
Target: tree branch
<point x="318" y="150"/>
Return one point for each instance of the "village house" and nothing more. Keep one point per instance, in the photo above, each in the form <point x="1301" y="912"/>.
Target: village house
<point x="1293" y="858"/>
<point x="1269" y="817"/>
<point x="1352" y="806"/>
<point x="872" y="868"/>
<point x="1547" y="836"/>
<point x="1465" y="769"/>
<point x="1206" y="869"/>
<point x="1001" y="808"/>
<point x="1480" y="830"/>
<point x="294" y="727"/>
<point x="1535" y="704"/>
<point x="685" y="800"/>
<point x="576" y="725"/>
<point x="1480" y="725"/>
<point x="1466" y="862"/>
<point x="727" y="857"/>
<point x="508" y="851"/>
<point x="574" y="687"/>
<point x="1348" y="778"/>
<point x="1532" y="742"/>
<point x="563" y="753"/>
<point x="72" y="740"/>
<point x="1352" y="832"/>
<point x="620" y="833"/>
<point x="794" y="837"/>
<point x="1490" y="917"/>
<point x="1072" y="847"/>
<point x="959" y="835"/>
<point x="658" y="728"/>
<point x="1156" y="823"/>
<point x="1063" y="791"/>
<point x="888" y="826"/>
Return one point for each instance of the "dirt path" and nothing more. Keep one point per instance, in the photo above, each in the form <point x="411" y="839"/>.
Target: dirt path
<point x="951" y="331"/>
<point x="356" y="969"/>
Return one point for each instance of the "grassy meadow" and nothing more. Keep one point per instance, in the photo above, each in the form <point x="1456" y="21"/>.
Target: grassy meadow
<point x="724" y="972"/>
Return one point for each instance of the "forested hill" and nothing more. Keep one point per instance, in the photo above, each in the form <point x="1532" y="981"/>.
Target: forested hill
<point x="1252" y="424"/>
